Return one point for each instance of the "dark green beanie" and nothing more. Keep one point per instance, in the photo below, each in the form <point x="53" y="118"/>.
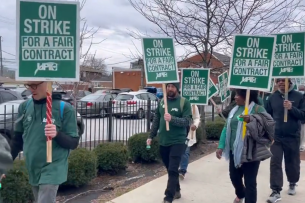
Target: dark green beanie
<point x="177" y="85"/>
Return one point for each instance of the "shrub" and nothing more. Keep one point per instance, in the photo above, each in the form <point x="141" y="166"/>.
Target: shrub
<point x="16" y="187"/>
<point x="111" y="157"/>
<point x="137" y="148"/>
<point x="82" y="167"/>
<point x="214" y="129"/>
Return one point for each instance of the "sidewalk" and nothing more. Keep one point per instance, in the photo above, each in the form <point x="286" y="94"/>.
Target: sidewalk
<point x="207" y="182"/>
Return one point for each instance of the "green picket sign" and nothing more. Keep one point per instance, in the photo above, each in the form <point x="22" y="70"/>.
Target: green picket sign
<point x="195" y="85"/>
<point x="252" y="62"/>
<point x="289" y="55"/>
<point x="224" y="91"/>
<point x="213" y="90"/>
<point x="48" y="40"/>
<point x="159" y="60"/>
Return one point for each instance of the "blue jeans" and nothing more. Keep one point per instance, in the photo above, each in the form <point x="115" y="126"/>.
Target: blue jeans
<point x="185" y="160"/>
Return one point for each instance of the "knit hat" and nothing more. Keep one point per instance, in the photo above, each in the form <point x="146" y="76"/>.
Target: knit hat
<point x="177" y="85"/>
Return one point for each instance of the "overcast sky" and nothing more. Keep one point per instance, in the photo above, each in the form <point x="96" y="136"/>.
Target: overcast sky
<point x="114" y="17"/>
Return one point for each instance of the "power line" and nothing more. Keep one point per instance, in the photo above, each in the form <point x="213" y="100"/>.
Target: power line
<point x="119" y="62"/>
<point x="8" y="53"/>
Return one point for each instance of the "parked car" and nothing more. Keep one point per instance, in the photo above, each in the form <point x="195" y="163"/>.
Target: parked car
<point x="24" y="92"/>
<point x="111" y="91"/>
<point x="80" y="93"/>
<point x="9" y="95"/>
<point x="95" y="105"/>
<point x="134" y="104"/>
<point x="126" y="89"/>
<point x="9" y="114"/>
<point x="159" y="93"/>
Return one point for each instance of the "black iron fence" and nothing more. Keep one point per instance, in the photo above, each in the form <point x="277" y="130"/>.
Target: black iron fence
<point x="113" y="121"/>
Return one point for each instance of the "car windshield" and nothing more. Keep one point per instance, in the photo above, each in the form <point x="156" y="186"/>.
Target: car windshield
<point x="92" y="97"/>
<point x="124" y="97"/>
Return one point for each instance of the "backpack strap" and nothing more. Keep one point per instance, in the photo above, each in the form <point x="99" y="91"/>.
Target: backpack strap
<point x="62" y="107"/>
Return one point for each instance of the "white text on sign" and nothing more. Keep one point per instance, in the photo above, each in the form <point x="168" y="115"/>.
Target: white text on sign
<point x="159" y="58"/>
<point x="47" y="48"/>
<point x="194" y="86"/>
<point x="292" y="53"/>
<point x="255" y="62"/>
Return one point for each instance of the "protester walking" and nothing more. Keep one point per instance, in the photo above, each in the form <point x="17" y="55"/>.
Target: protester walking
<point x="245" y="154"/>
<point x="30" y="136"/>
<point x="287" y="138"/>
<point x="191" y="141"/>
<point x="172" y="142"/>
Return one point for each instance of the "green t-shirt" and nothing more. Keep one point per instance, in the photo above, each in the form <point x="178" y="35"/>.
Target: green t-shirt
<point x="34" y="141"/>
<point x="234" y="121"/>
<point x="176" y="134"/>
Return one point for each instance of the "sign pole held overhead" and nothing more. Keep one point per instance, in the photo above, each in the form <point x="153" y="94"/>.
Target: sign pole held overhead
<point x="289" y="60"/>
<point x="48" y="46"/>
<point x="160" y="64"/>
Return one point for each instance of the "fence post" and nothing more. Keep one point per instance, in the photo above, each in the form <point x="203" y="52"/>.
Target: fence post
<point x="148" y="115"/>
<point x="110" y="121"/>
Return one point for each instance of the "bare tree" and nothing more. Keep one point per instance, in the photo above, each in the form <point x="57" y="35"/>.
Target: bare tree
<point x="261" y="17"/>
<point x="87" y="40"/>
<point x="195" y="24"/>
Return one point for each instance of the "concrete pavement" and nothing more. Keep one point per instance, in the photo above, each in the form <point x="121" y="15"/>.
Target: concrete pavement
<point x="208" y="181"/>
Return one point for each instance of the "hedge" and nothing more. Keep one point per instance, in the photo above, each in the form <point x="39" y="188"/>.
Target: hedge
<point x="82" y="167"/>
<point x="214" y="129"/>
<point x="138" y="151"/>
<point x="111" y="157"/>
<point x="16" y="187"/>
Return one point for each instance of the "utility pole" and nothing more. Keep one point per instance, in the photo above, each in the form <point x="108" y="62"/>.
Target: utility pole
<point x="1" y="65"/>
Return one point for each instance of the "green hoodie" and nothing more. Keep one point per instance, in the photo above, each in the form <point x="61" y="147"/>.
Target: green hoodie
<point x="30" y="135"/>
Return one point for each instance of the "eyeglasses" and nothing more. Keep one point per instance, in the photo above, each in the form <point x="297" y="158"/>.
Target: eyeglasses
<point x="32" y="86"/>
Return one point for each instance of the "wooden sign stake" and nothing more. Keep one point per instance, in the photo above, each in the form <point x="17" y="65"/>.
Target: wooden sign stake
<point x="49" y="121"/>
<point x="215" y="105"/>
<point x="165" y="104"/>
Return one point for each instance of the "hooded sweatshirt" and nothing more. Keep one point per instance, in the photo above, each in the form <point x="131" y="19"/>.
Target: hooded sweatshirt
<point x="6" y="160"/>
<point x="30" y="137"/>
<point x="275" y="108"/>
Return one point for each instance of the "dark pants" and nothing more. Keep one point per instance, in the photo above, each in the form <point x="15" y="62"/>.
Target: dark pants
<point x="248" y="171"/>
<point x="290" y="149"/>
<point x="171" y="157"/>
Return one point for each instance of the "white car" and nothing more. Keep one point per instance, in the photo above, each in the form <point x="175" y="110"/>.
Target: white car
<point x="134" y="104"/>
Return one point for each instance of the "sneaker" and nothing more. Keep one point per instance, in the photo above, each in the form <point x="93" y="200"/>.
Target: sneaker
<point x="165" y="201"/>
<point x="291" y="189"/>
<point x="274" y="197"/>
<point x="181" y="175"/>
<point x="177" y="195"/>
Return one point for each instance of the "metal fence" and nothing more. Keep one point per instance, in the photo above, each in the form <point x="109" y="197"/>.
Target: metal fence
<point x="102" y="122"/>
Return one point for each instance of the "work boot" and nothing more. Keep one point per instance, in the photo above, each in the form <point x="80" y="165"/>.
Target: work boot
<point x="291" y="189"/>
<point x="274" y="197"/>
<point x="177" y="195"/>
